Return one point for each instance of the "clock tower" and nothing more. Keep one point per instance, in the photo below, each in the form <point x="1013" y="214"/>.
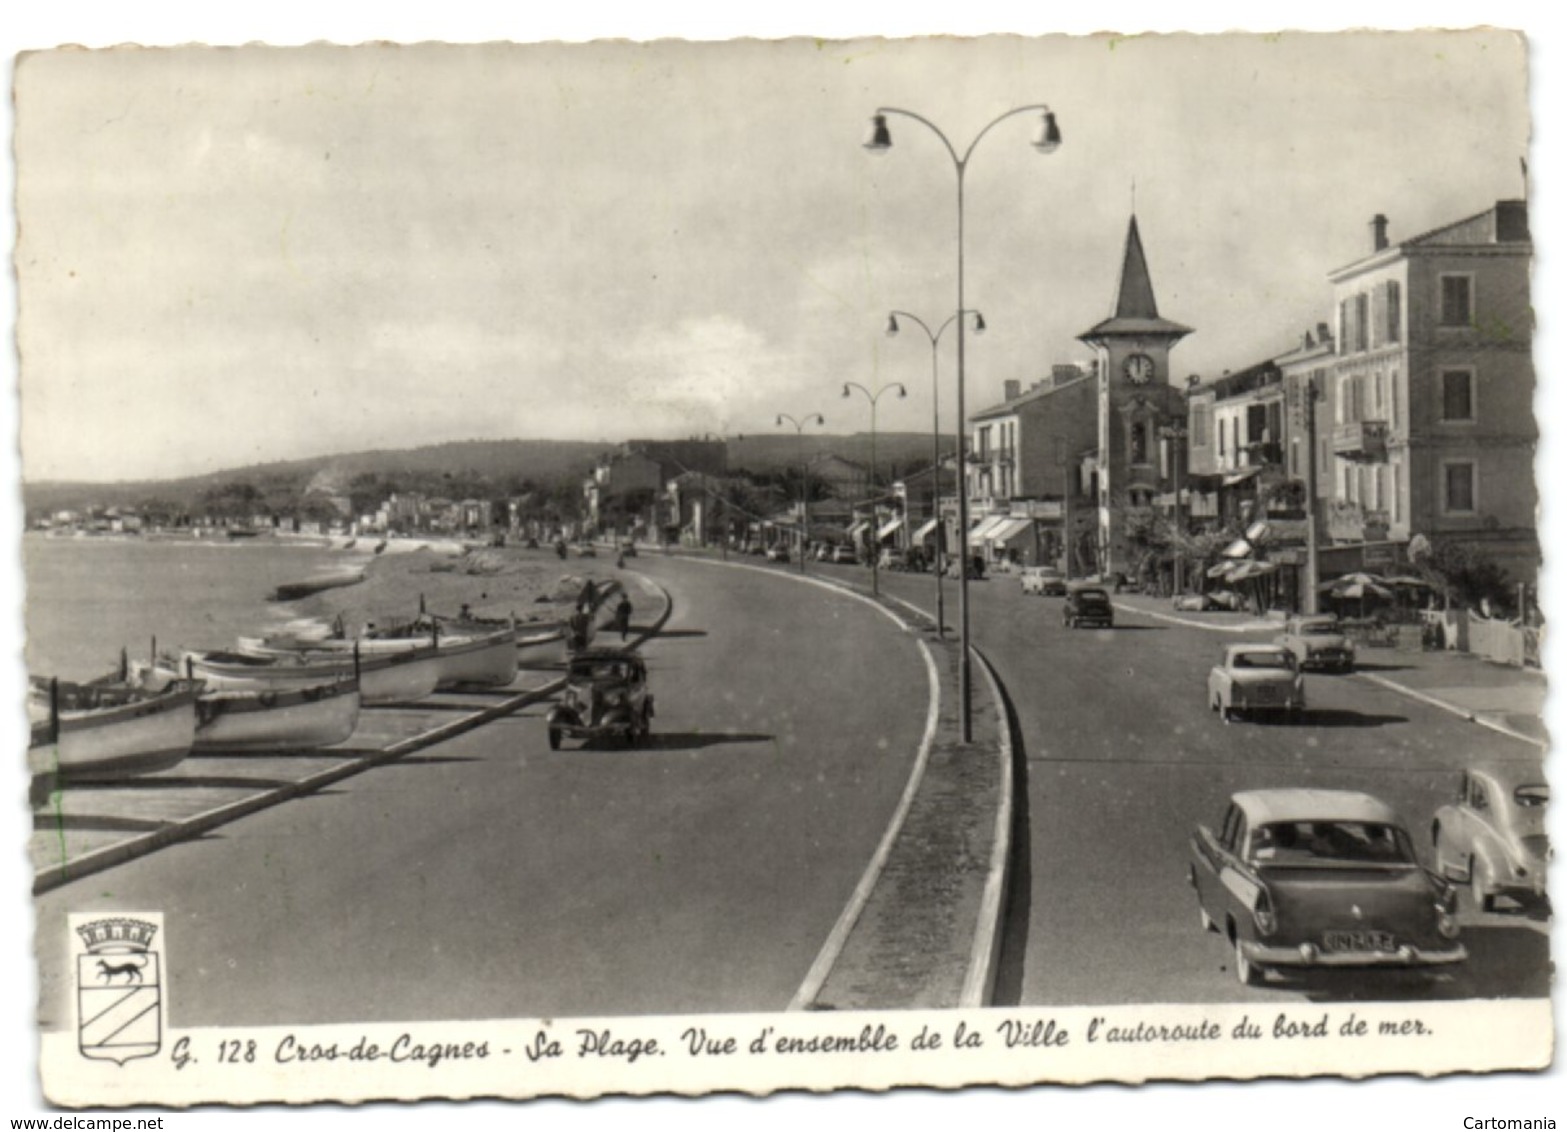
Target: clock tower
<point x="1136" y="400"/>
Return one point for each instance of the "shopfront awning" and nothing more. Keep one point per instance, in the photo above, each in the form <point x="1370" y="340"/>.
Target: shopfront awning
<point x="856" y="529"/>
<point x="928" y="529"/>
<point x="1241" y="475"/>
<point x="1010" y="530"/>
<point x="889" y="529"/>
<point x="979" y="534"/>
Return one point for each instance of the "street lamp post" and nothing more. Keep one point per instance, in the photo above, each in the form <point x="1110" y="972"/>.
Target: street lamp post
<point x="1046" y="140"/>
<point x="876" y="530"/>
<point x="935" y="439"/>
<point x="798" y="424"/>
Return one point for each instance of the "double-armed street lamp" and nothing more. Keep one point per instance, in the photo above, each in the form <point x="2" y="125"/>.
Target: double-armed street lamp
<point x="935" y="435"/>
<point x="1047" y="138"/>
<point x="875" y="527"/>
<point x="798" y="424"/>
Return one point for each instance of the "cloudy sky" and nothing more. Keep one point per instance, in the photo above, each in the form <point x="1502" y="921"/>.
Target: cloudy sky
<point x="229" y="256"/>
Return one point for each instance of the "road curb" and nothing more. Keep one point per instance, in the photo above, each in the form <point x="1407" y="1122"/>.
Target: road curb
<point x="54" y="876"/>
<point x="833" y="946"/>
<point x="1452" y="708"/>
<point x="979" y="985"/>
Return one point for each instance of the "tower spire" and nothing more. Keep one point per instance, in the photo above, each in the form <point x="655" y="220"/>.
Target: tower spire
<point x="1134" y="299"/>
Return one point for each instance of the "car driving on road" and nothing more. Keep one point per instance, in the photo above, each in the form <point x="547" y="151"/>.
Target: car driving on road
<point x="1087" y="605"/>
<point x="1256" y="677"/>
<point x="606" y="695"/>
<point x="1492" y="836"/>
<point x="1304" y="878"/>
<point x="1043" y="580"/>
<point x="1318" y="641"/>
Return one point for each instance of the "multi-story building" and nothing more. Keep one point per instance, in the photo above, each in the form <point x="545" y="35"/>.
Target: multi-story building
<point x="1427" y="411"/>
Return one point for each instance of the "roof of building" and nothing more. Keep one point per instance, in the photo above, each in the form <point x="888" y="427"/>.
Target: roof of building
<point x="1506" y="222"/>
<point x="1136" y="312"/>
<point x="1038" y="391"/>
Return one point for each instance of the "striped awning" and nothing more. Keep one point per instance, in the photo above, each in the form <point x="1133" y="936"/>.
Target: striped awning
<point x="926" y="530"/>
<point x="986" y="527"/>
<point x="1009" y="530"/>
<point x="889" y="528"/>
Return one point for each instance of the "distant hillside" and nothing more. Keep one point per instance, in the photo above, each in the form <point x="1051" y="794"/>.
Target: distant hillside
<point x="500" y="462"/>
<point x="896" y="452"/>
<point x="543" y="461"/>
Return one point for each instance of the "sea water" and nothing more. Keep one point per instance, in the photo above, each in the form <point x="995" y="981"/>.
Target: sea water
<point x="87" y="598"/>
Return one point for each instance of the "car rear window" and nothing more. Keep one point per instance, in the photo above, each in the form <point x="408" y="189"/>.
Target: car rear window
<point x="1532" y="795"/>
<point x="1331" y="843"/>
<point x="1279" y="660"/>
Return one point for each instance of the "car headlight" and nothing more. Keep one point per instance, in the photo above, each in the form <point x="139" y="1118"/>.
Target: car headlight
<point x="1446" y="924"/>
<point x="1262" y="914"/>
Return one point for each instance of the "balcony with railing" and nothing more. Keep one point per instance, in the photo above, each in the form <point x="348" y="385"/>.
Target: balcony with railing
<point x="1360" y="440"/>
<point x="1350" y="522"/>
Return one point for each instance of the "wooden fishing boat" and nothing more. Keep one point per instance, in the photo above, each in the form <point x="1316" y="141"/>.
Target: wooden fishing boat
<point x="392" y="677"/>
<point x="238" y="719"/>
<point x="108" y="729"/>
<point x="487" y="657"/>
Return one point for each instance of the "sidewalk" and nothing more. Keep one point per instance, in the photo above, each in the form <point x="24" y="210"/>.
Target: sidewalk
<point x="1505" y="699"/>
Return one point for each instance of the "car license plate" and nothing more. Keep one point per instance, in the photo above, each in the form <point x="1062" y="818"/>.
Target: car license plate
<point x="1357" y="941"/>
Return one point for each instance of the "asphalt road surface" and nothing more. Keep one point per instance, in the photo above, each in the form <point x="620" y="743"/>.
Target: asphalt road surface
<point x="490" y="877"/>
<point x="1124" y="759"/>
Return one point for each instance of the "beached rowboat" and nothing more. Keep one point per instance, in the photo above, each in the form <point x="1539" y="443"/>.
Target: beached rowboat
<point x="393" y="677"/>
<point x="108" y="729"/>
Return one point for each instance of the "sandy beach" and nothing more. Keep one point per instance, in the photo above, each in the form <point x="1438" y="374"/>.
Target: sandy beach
<point x="531" y="585"/>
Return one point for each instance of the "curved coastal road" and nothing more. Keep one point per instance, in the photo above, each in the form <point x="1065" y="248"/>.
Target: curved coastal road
<point x="489" y="877"/>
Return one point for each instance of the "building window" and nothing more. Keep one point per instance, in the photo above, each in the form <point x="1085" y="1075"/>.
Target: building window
<point x="1199" y="428"/>
<point x="1392" y="397"/>
<point x="1221" y="439"/>
<point x="1378" y="499"/>
<point x="1343" y="326"/>
<point x="1362" y="322"/>
<point x="1395" y="319"/>
<point x="1458" y="487"/>
<point x="1398" y="503"/>
<point x="1457" y="300"/>
<point x="1458" y="395"/>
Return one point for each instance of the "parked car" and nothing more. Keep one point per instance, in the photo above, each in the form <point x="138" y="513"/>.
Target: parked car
<point x="1318" y="641"/>
<point x="1087" y="604"/>
<point x="628" y="549"/>
<point x="586" y="550"/>
<point x="756" y="549"/>
<point x="1043" y="580"/>
<point x="1308" y="878"/>
<point x="1256" y="677"/>
<point x="892" y="558"/>
<point x="1492" y="837"/>
<point x="779" y="553"/>
<point x="975" y="563"/>
<point x="844" y="553"/>
<point x="606" y="695"/>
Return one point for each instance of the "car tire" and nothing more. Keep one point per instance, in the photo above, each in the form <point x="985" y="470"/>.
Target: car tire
<point x="554" y="738"/>
<point x="1246" y="972"/>
<point x="1207" y="921"/>
<point x="1227" y="713"/>
<point x="1482" y="900"/>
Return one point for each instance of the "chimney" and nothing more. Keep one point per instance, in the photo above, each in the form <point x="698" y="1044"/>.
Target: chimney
<point x="1324" y="335"/>
<point x="1012" y="388"/>
<point x="1378" y="232"/>
<point x="1512" y="221"/>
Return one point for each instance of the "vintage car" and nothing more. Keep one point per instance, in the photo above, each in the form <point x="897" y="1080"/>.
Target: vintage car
<point x="628" y="550"/>
<point x="778" y="553"/>
<point x="606" y="695"/>
<point x="1256" y="677"/>
<point x="1492" y="836"/>
<point x="1308" y="878"/>
<point x="586" y="550"/>
<point x="1087" y="605"/>
<point x="1208" y="601"/>
<point x="892" y="558"/>
<point x="1043" y="580"/>
<point x="1318" y="641"/>
<point x="844" y="553"/>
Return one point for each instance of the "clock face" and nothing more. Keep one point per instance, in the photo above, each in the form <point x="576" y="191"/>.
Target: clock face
<point x="1139" y="369"/>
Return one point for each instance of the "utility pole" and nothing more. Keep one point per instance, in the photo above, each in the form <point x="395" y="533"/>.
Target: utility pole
<point x="1308" y="602"/>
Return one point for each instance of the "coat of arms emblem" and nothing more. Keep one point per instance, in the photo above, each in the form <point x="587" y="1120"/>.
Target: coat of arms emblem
<point x="118" y="990"/>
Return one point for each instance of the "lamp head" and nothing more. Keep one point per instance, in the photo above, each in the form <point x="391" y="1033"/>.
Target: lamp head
<point x="979" y="323"/>
<point x="1047" y="138"/>
<point x="892" y="325"/>
<point x="779" y="421"/>
<point x="902" y="392"/>
<point x="845" y="390"/>
<point x="878" y="140"/>
<point x="821" y="420"/>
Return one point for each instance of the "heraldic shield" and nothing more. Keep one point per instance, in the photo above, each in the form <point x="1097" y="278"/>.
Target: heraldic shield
<point x="119" y="994"/>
